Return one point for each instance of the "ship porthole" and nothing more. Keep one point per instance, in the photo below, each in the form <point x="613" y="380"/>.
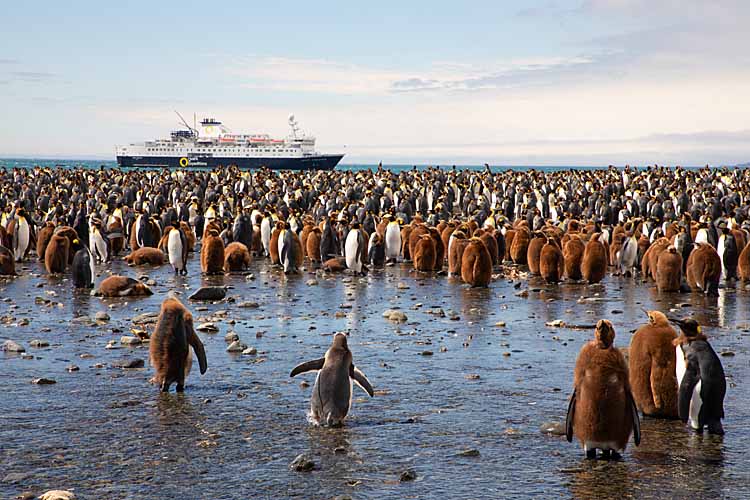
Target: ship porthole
<point x="184" y="162"/>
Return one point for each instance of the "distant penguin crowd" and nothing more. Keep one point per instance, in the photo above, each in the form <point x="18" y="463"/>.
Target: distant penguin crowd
<point x="680" y="230"/>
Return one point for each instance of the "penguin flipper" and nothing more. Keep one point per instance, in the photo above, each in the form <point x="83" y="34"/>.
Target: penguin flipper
<point x="634" y="417"/>
<point x="197" y="346"/>
<point x="361" y="380"/>
<point x="308" y="366"/>
<point x="687" y="385"/>
<point x="570" y="417"/>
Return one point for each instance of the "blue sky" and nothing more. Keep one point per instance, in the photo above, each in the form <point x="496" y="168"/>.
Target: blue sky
<point x="532" y="82"/>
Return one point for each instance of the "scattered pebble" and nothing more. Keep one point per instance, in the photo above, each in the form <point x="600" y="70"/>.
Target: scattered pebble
<point x="407" y="475"/>
<point x="248" y="305"/>
<point x="102" y="316"/>
<point x="468" y="453"/>
<point x="128" y="363"/>
<point x="302" y="463"/>
<point x="207" y="327"/>
<point x="43" y="381"/>
<point x="11" y="346"/>
<point x="130" y="340"/>
<point x="236" y="346"/>
<point x="252" y="351"/>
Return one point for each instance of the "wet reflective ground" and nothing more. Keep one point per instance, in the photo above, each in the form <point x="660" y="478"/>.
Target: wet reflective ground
<point x="106" y="433"/>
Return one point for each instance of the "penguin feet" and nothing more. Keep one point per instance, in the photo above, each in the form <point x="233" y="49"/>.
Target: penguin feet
<point x="591" y="454"/>
<point x="716" y="428"/>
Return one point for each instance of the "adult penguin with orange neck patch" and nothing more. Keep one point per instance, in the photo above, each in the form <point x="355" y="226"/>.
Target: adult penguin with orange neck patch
<point x="594" y="263"/>
<point x="476" y="264"/>
<point x="172" y="344"/>
<point x="332" y="392"/>
<point x="702" y="383"/>
<point x="212" y="253"/>
<point x="651" y="363"/>
<point x="602" y="413"/>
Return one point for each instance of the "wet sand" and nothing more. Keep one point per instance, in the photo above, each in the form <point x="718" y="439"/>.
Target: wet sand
<point x="107" y="433"/>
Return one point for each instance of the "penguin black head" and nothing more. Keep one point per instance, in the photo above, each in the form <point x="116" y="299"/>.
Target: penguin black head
<point x="690" y="328"/>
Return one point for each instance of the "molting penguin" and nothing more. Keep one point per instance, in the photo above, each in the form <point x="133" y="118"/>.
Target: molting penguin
<point x="212" y="253"/>
<point x="122" y="286"/>
<point x="627" y="255"/>
<point x="98" y="244"/>
<point x="236" y="257"/>
<point x="457" y="246"/>
<point x="290" y="251"/>
<point x="332" y="393"/>
<point x="313" y="245"/>
<point x="171" y="343"/>
<point x="355" y="249"/>
<point x="275" y="244"/>
<point x="702" y="384"/>
<point x="376" y="251"/>
<point x="177" y="250"/>
<point x="56" y="254"/>
<point x="594" y="264"/>
<point x="476" y="263"/>
<point x="601" y="412"/>
<point x="82" y="269"/>
<point x="651" y="360"/>
<point x="534" y="252"/>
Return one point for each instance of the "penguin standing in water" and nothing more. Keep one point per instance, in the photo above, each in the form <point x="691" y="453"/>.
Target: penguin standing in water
<point x="329" y="241"/>
<point x="727" y="250"/>
<point x="702" y="384"/>
<point x="172" y="344"/>
<point x="376" y="251"/>
<point x="355" y="248"/>
<point x="177" y="249"/>
<point x="242" y="230"/>
<point x="332" y="393"/>
<point x="265" y="233"/>
<point x="82" y="269"/>
<point x="601" y="412"/>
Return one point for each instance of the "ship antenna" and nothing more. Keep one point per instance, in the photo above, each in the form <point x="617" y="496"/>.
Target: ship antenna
<point x="185" y="123"/>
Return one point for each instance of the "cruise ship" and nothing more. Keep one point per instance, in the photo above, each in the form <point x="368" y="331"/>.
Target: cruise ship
<point x="212" y="145"/>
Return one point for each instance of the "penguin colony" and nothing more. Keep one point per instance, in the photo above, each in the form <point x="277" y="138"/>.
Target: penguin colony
<point x="682" y="230"/>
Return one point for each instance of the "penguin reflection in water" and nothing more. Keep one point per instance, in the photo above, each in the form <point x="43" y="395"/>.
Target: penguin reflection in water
<point x="702" y="385"/>
<point x="332" y="393"/>
<point x="602" y="413"/>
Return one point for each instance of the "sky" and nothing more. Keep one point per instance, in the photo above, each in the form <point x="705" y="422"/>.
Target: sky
<point x="535" y="82"/>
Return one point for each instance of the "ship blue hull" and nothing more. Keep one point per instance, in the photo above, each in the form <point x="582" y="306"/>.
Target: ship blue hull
<point x="318" y="162"/>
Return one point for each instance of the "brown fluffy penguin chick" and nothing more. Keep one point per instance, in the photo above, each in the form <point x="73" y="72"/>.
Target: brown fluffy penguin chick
<point x="488" y="238"/>
<point x="424" y="253"/>
<point x="164" y="241"/>
<point x="42" y="239"/>
<point x="212" y="253"/>
<point x="69" y="233"/>
<point x="189" y="235"/>
<point x="273" y="248"/>
<point x="145" y="255"/>
<point x="7" y="263"/>
<point x="122" y="286"/>
<point x="534" y="252"/>
<point x="236" y="257"/>
<point x="457" y="247"/>
<point x="116" y="243"/>
<point x="335" y="265"/>
<point x="170" y="346"/>
<point x="669" y="270"/>
<point x="551" y="262"/>
<point x="743" y="264"/>
<point x="405" y="235"/>
<point x="445" y="235"/>
<point x="313" y="244"/>
<point x="510" y="235"/>
<point x="594" y="263"/>
<point x="704" y="269"/>
<point x="439" y="249"/>
<point x="651" y="257"/>
<point x="56" y="254"/>
<point x="476" y="264"/>
<point x="303" y="237"/>
<point x="520" y="246"/>
<point x="416" y="234"/>
<point x="651" y="360"/>
<point x="573" y="257"/>
<point x="602" y="413"/>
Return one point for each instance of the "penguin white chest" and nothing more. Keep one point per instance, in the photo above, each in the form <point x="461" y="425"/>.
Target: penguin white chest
<point x="174" y="249"/>
<point x="352" y="250"/>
